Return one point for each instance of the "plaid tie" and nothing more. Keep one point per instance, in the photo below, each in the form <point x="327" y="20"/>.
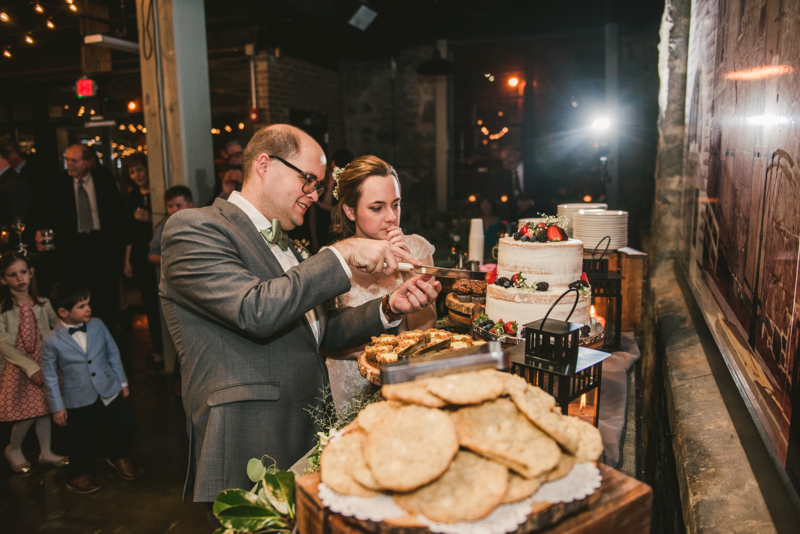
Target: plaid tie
<point x="275" y="235"/>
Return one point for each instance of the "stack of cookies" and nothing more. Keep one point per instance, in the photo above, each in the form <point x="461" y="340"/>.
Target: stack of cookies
<point x="454" y="448"/>
<point x="384" y="349"/>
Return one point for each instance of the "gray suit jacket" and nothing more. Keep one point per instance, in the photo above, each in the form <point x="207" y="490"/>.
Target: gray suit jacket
<point x="250" y="364"/>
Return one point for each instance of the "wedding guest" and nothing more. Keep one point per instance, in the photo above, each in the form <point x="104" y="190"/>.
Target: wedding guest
<point x="137" y="264"/>
<point x="94" y="387"/>
<point x="491" y="225"/>
<point x="231" y="180"/>
<point x="25" y="318"/>
<point x="177" y="198"/>
<point x="15" y="195"/>
<point x="246" y="312"/>
<point x="85" y="210"/>
<point x="368" y="190"/>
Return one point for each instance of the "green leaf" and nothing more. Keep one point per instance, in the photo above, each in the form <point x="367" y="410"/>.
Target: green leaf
<point x="275" y="493"/>
<point x="233" y="497"/>
<point x="250" y="518"/>
<point x="286" y="480"/>
<point x="255" y="469"/>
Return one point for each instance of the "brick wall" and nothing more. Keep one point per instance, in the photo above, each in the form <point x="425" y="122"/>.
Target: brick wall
<point x="286" y="83"/>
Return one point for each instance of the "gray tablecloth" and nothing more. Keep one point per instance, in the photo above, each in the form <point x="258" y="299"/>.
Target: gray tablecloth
<point x="614" y="395"/>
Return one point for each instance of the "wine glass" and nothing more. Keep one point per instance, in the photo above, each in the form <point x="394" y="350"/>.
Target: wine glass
<point x="19" y="226"/>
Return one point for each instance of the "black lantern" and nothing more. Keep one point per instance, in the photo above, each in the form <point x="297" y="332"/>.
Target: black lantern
<point x="553" y="340"/>
<point x="606" y="285"/>
<point x="575" y="385"/>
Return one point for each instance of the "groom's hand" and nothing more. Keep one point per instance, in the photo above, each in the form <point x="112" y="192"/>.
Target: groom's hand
<point x="416" y="293"/>
<point x="372" y="255"/>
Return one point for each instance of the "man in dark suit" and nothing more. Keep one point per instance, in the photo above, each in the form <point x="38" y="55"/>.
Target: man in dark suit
<point x="84" y="209"/>
<point x="247" y="312"/>
<point x="34" y="177"/>
<point x="15" y="196"/>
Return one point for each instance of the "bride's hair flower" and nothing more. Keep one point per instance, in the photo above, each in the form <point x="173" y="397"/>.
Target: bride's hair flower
<point x="336" y="172"/>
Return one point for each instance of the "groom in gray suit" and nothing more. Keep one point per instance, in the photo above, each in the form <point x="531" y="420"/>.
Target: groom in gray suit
<point x="247" y="312"/>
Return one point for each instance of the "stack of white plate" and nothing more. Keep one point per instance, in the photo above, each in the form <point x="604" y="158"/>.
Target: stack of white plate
<point x="591" y="226"/>
<point x="569" y="210"/>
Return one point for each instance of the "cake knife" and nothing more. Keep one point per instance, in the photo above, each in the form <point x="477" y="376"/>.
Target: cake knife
<point x="442" y="272"/>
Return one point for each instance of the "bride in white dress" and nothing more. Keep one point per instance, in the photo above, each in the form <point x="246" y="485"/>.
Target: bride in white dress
<point x="368" y="190"/>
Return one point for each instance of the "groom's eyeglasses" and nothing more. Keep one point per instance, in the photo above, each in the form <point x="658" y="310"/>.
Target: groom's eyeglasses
<point x="311" y="185"/>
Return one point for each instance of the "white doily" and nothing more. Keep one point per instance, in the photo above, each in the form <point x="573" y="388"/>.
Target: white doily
<point x="363" y="508"/>
<point x="581" y="482"/>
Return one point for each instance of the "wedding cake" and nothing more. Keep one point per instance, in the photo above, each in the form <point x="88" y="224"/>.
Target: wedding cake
<point x="532" y="272"/>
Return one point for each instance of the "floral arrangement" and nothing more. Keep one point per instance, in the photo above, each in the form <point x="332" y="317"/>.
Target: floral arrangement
<point x="301" y="245"/>
<point x="336" y="172"/>
<point x="328" y="421"/>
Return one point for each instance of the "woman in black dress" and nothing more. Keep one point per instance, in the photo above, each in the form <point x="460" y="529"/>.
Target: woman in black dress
<point x="139" y="233"/>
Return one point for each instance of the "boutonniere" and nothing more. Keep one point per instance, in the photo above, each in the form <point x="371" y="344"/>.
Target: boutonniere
<point x="300" y="245"/>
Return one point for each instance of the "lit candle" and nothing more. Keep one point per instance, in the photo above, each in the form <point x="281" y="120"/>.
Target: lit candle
<point x="583" y="411"/>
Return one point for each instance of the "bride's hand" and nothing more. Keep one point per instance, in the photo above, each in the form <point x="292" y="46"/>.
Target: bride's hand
<point x="415" y="294"/>
<point x="397" y="238"/>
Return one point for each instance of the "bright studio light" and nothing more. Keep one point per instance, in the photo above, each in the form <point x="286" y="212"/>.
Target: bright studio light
<point x="601" y="124"/>
<point x="767" y="120"/>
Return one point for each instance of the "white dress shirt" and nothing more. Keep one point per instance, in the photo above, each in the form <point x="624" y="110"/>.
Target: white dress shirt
<point x="88" y="184"/>
<point x="288" y="260"/>
<point x="80" y="339"/>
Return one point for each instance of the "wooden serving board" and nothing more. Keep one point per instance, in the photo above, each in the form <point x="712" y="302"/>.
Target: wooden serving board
<point x="369" y="370"/>
<point x="622" y="505"/>
<point x="464" y="308"/>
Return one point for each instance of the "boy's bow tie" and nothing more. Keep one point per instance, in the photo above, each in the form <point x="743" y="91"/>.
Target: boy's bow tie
<point x="73" y="329"/>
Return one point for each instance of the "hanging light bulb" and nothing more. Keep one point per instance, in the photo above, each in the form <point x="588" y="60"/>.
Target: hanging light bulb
<point x="50" y="24"/>
<point x="72" y="7"/>
<point x="38" y="8"/>
<point x="4" y="17"/>
<point x="29" y="39"/>
<point x="7" y="52"/>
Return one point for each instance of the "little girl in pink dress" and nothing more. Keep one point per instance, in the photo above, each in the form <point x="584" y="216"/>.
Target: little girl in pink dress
<point x="25" y="318"/>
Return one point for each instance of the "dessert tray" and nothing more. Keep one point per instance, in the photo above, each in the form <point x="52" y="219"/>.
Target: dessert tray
<point x="463" y="453"/>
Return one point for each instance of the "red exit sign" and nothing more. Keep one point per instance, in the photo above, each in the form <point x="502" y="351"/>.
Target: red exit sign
<point x="85" y="87"/>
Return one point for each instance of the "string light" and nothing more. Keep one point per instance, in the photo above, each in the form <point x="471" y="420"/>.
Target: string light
<point x="228" y="128"/>
<point x="7" y="52"/>
<point x="29" y="39"/>
<point x="4" y="17"/>
<point x="50" y="24"/>
<point x="121" y="126"/>
<point x="241" y="126"/>
<point x="73" y="8"/>
<point x="38" y="8"/>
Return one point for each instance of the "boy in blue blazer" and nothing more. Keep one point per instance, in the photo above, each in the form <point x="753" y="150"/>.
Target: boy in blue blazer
<point x="94" y="385"/>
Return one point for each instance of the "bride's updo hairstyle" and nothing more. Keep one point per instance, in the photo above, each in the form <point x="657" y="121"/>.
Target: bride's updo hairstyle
<point x="347" y="188"/>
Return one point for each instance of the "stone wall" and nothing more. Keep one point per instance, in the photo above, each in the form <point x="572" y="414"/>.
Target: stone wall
<point x="390" y="113"/>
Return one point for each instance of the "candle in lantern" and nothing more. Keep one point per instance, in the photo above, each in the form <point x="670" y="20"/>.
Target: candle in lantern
<point x="583" y="410"/>
<point x="595" y="318"/>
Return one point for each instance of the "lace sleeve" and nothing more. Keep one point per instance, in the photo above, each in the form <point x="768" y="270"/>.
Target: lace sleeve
<point x="420" y="247"/>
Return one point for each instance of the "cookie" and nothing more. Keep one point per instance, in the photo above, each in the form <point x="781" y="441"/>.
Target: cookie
<point x="415" y="392"/>
<point x="468" y="388"/>
<point x="410" y="446"/>
<point x="497" y="430"/>
<point x="538" y="406"/>
<point x="590" y="442"/>
<point x="335" y="464"/>
<point x="469" y="490"/>
<point x="521" y="488"/>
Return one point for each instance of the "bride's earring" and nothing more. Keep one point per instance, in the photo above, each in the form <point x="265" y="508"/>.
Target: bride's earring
<point x="349" y="213"/>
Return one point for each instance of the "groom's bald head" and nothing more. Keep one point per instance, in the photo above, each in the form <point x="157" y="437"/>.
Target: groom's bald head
<point x="280" y="140"/>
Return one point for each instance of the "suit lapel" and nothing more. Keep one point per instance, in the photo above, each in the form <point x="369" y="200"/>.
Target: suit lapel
<point x="64" y="333"/>
<point x="254" y="239"/>
<point x="261" y="249"/>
